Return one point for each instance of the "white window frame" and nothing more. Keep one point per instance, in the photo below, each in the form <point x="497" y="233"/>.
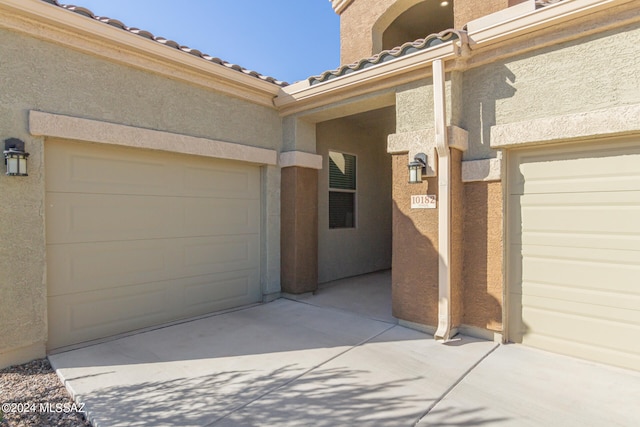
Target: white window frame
<point x="342" y="190"/>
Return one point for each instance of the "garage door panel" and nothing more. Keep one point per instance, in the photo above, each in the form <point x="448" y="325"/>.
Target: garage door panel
<point x="229" y="253"/>
<point x="583" y="330"/>
<point x="546" y="312"/>
<point x="604" y="269"/>
<point x="231" y="217"/>
<point x="571" y="170"/>
<point x="205" y="295"/>
<point x="93" y="266"/>
<point x="98" y="169"/>
<point x="572" y="348"/>
<point x="85" y="316"/>
<point x="77" y="218"/>
<point x="603" y="213"/>
<point x="576" y="293"/>
<point x="90" y="217"/>
<point x="95" y="168"/>
<point x="587" y="181"/>
<point x="224" y="183"/>
<point x="219" y="254"/>
<point x="614" y="241"/>
<point x="581" y="220"/>
<point x="114" y="175"/>
<point x="137" y="238"/>
<point x="574" y="250"/>
<point x="89" y="315"/>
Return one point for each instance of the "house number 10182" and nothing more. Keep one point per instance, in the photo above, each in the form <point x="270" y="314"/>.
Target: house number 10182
<point x="423" y="201"/>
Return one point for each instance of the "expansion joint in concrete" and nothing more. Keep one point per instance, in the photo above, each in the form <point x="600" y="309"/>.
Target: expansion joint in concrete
<point x="454" y="385"/>
<point x="297" y="377"/>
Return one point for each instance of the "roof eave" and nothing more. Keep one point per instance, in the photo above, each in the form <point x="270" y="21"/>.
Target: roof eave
<point x="538" y="19"/>
<point x="79" y="32"/>
<point x="303" y="96"/>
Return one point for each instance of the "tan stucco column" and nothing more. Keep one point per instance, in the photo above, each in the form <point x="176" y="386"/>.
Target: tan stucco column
<point x="299" y="233"/>
<point x="299" y="222"/>
<point x="415" y="244"/>
<point x="415" y="249"/>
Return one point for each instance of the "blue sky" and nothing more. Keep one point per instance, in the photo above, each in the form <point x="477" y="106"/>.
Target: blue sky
<point x="286" y="39"/>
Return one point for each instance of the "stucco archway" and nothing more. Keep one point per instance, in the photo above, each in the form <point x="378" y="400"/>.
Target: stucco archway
<point x="408" y="20"/>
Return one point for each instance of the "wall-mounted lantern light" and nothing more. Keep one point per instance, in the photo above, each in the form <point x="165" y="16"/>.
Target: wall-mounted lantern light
<point x="15" y="157"/>
<point x="417" y="168"/>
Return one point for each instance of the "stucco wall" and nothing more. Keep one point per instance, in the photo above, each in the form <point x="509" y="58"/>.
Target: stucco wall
<point x="364" y="21"/>
<point x="366" y="248"/>
<point x="414" y="106"/>
<point x="569" y="78"/>
<point x="574" y="77"/>
<point x="415" y="232"/>
<point x="49" y="78"/>
<point x="482" y="255"/>
<point x="457" y="260"/>
<point x="43" y="76"/>
<point x="414" y="103"/>
<point x="299" y="237"/>
<point x="356" y="23"/>
<point x="468" y="10"/>
<point x="415" y="249"/>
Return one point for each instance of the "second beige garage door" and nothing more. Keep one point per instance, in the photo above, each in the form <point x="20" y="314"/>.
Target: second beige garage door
<point x="136" y="238"/>
<point x="574" y="262"/>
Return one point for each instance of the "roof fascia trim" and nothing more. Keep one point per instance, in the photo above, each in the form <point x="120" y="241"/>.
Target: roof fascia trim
<point x="295" y="95"/>
<point x="301" y="97"/>
<point x="539" y="19"/>
<point x="79" y="129"/>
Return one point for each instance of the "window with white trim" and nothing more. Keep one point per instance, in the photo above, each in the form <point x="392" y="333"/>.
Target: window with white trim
<point x="342" y="190"/>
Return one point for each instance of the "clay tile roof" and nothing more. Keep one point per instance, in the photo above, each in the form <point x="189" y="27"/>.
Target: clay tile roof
<point x="170" y="43"/>
<point x="388" y="55"/>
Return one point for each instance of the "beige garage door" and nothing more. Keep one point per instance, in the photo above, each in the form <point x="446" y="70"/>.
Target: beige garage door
<point x="136" y="238"/>
<point x="574" y="239"/>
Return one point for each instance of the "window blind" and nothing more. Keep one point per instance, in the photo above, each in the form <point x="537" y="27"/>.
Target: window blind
<point x="342" y="190"/>
<point x="342" y="171"/>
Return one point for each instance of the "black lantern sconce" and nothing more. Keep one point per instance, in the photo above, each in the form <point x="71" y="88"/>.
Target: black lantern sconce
<point x="417" y="168"/>
<point x="15" y="157"/>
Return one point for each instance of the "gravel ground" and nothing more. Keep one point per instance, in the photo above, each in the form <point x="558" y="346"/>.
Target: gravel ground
<point x="36" y="386"/>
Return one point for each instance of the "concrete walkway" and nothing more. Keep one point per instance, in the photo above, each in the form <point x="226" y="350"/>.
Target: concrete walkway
<point x="290" y="363"/>
<point x="368" y="295"/>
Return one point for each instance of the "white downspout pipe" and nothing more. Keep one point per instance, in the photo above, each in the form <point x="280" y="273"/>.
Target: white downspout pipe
<point x="444" y="209"/>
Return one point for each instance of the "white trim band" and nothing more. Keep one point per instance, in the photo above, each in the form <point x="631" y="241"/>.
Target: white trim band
<point x="424" y="141"/>
<point x="59" y="126"/>
<point x="599" y="123"/>
<point x="300" y="159"/>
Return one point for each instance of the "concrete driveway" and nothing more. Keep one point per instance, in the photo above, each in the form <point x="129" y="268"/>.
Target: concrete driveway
<point x="290" y="363"/>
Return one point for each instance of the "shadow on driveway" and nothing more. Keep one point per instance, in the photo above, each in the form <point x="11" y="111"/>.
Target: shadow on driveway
<point x="279" y="364"/>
